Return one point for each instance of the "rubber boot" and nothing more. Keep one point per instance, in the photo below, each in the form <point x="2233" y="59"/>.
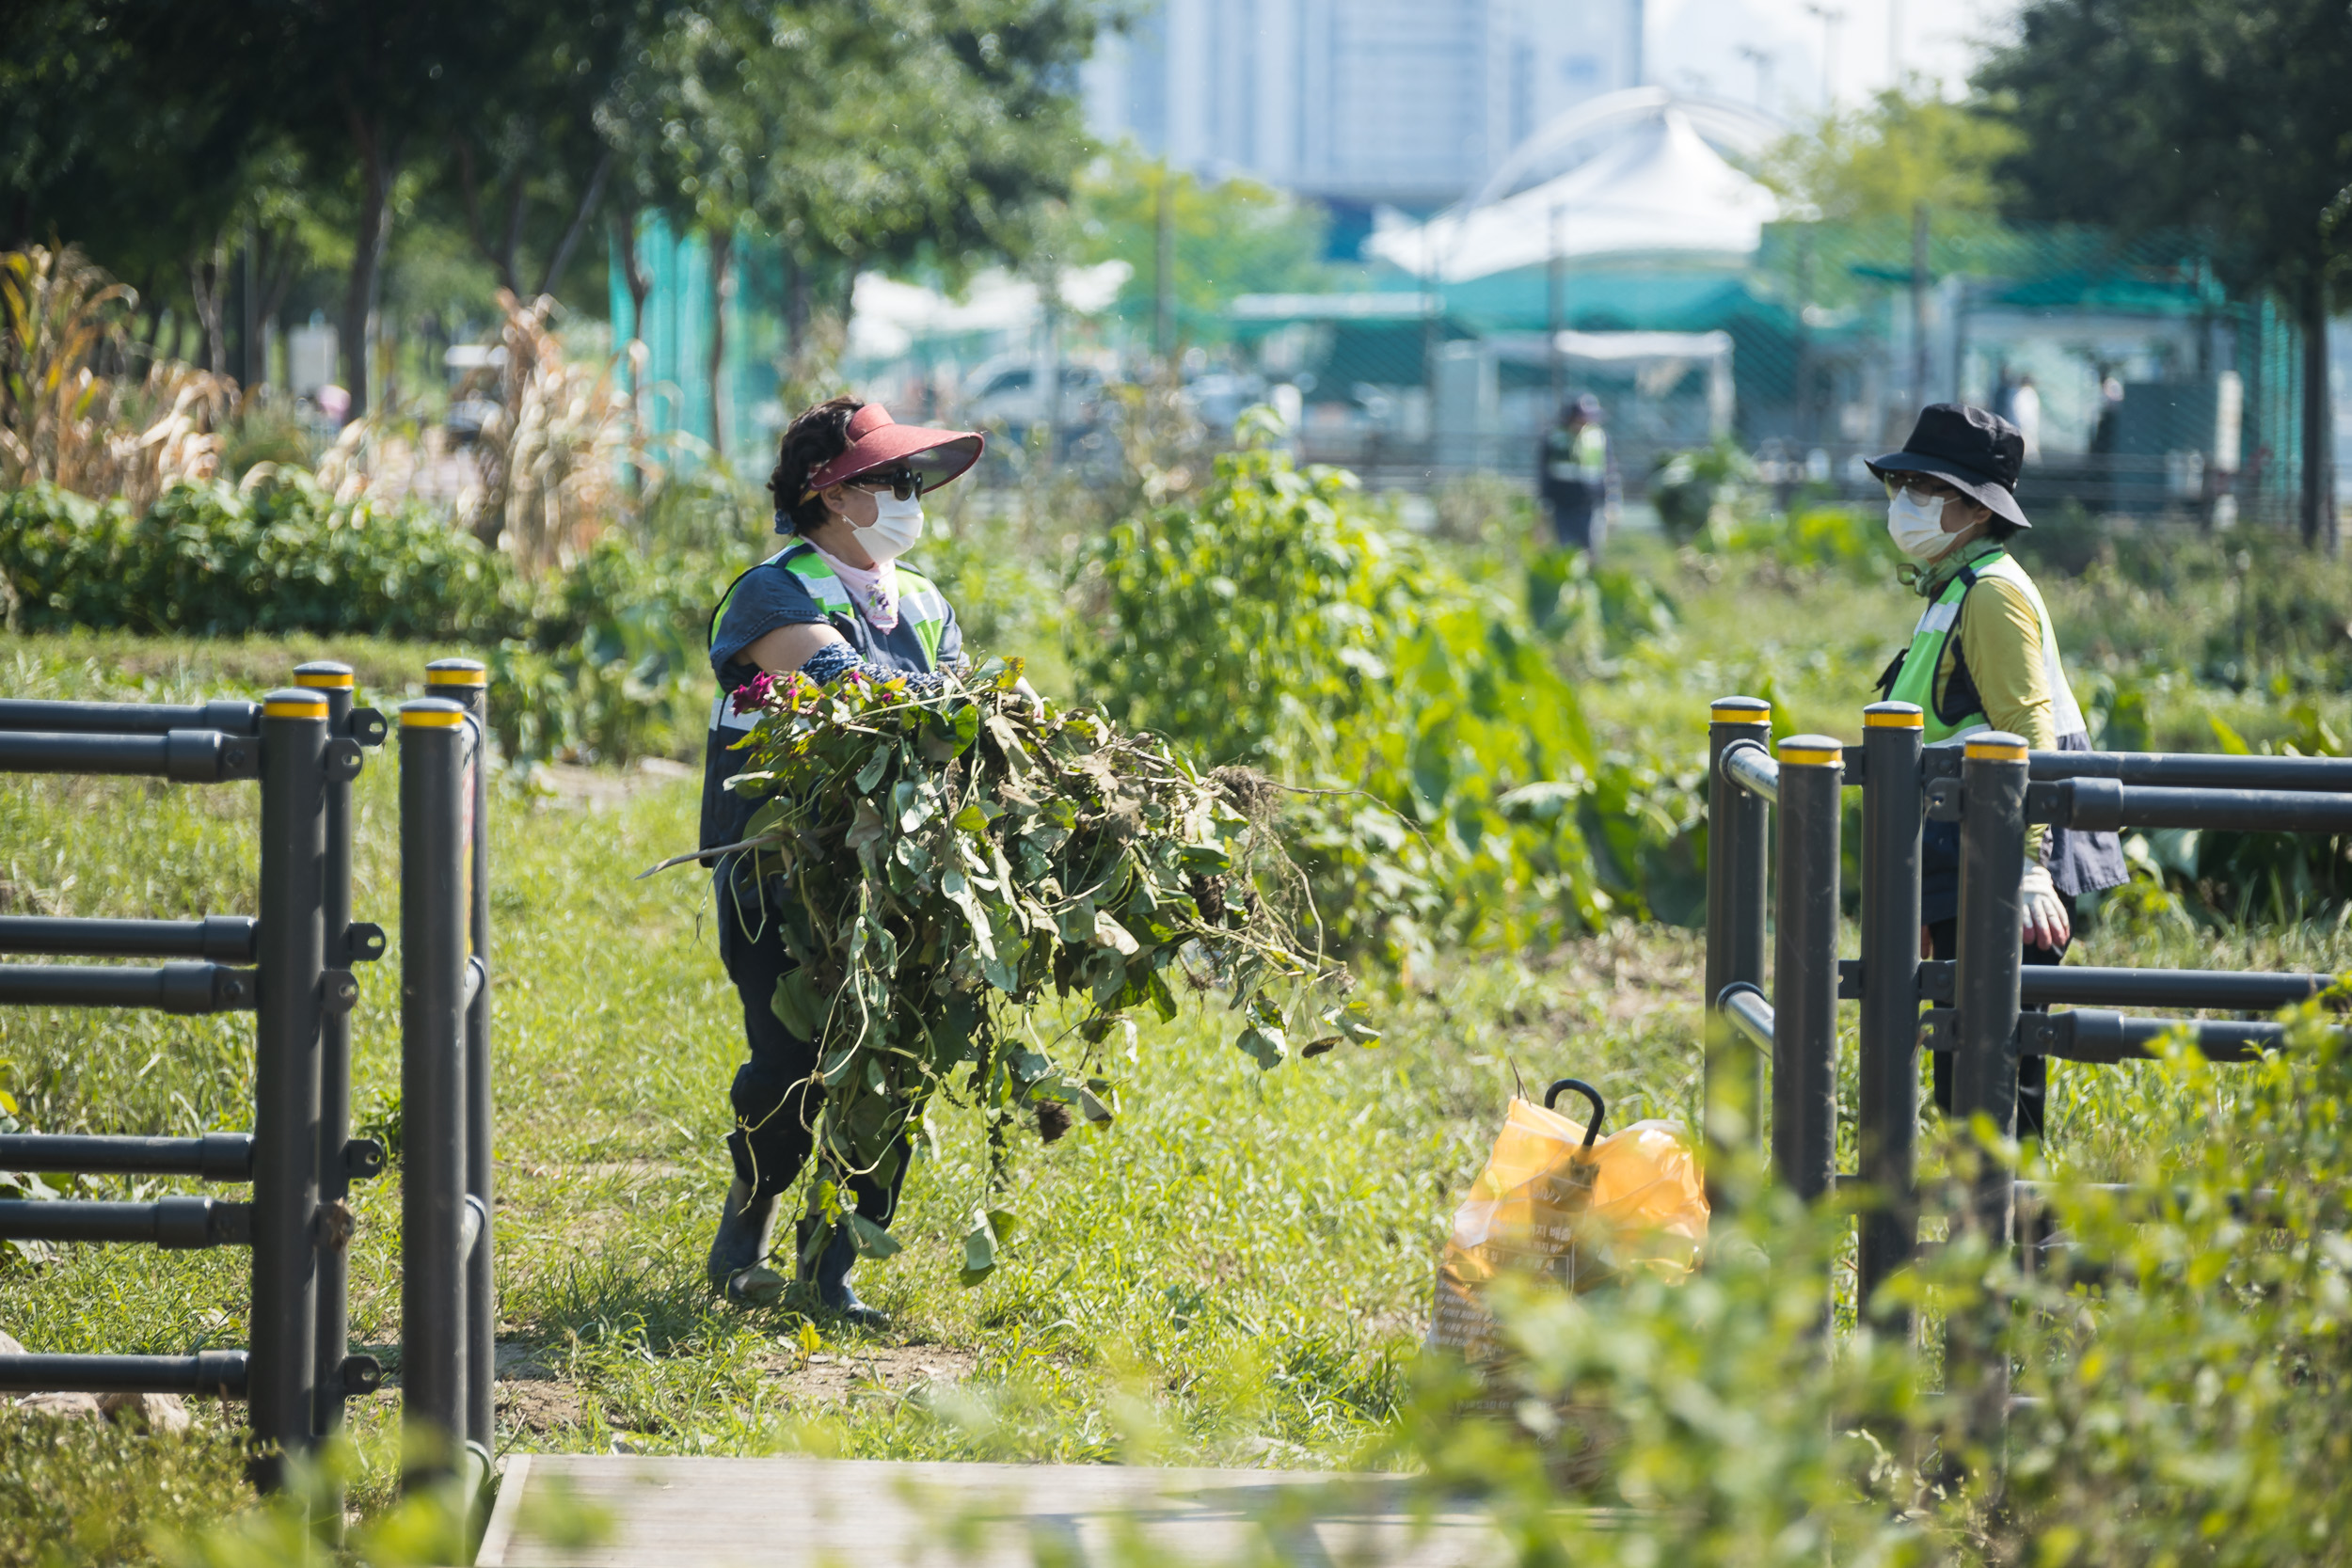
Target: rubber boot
<point x="830" y="1274"/>
<point x="740" y="1247"/>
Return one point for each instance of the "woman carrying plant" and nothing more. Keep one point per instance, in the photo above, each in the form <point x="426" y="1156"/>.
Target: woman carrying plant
<point x="839" y="603"/>
<point x="1985" y="657"/>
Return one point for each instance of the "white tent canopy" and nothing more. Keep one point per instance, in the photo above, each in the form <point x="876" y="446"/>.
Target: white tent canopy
<point x="1658" y="191"/>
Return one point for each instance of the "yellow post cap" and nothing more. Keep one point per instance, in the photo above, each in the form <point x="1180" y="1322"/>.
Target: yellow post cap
<point x="324" y="674"/>
<point x="457" y="672"/>
<point x="1894" y="716"/>
<point x="1812" y="751"/>
<point x="1994" y="746"/>
<point x="293" y="704"/>
<point x="431" y="713"/>
<point x="1740" y="710"/>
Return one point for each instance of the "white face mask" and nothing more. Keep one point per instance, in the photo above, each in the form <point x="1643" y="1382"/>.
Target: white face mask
<point x="1915" y="522"/>
<point x="897" y="524"/>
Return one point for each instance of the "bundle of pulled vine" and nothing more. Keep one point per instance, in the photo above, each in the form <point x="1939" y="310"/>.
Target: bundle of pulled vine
<point x="947" y="861"/>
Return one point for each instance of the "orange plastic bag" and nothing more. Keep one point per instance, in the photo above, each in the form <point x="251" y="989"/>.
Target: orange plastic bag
<point x="1554" y="1204"/>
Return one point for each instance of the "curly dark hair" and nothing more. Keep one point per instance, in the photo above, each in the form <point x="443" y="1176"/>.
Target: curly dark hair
<point x="818" y="436"/>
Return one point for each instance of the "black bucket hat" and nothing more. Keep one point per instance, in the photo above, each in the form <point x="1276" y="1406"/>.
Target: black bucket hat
<point x="1975" y="450"/>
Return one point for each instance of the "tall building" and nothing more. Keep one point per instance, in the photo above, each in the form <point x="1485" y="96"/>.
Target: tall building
<point x="1359" y="103"/>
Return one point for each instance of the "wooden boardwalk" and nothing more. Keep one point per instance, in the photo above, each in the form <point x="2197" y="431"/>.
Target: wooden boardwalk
<point x="666" y="1513"/>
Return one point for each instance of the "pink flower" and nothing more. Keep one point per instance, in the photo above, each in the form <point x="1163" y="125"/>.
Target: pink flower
<point x="752" y="694"/>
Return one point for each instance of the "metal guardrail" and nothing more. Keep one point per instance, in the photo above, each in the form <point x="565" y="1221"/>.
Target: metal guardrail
<point x="214" y="1157"/>
<point x="183" y="988"/>
<point x="303" y="745"/>
<point x="1980" y="1006"/>
<point x="230" y="716"/>
<point x="222" y="937"/>
<point x="182" y="756"/>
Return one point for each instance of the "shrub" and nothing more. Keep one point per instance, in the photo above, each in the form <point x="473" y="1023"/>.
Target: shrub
<point x="274" y="556"/>
<point x="1449" y="787"/>
<point x="604" y="663"/>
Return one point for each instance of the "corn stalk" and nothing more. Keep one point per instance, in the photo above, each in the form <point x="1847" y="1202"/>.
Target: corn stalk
<point x="64" y="420"/>
<point x="549" y="461"/>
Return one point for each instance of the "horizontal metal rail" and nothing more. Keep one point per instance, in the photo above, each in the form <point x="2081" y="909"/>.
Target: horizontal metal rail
<point x="2103" y="805"/>
<point x="221" y="938"/>
<point x="220" y="1373"/>
<point x="2166" y="769"/>
<point x="182" y="987"/>
<point x="2142" y="1202"/>
<point x="2100" y="1035"/>
<point x="1749" y="1013"/>
<point x="182" y="756"/>
<point x="177" y="1223"/>
<point x="1754" y="769"/>
<point x="2054" y="985"/>
<point x="214" y="1157"/>
<point x="229" y="716"/>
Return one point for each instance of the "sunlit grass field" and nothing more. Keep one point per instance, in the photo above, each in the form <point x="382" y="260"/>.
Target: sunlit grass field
<point x="1236" y="1271"/>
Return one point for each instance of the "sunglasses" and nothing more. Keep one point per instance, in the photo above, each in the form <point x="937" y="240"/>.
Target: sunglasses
<point x="1928" y="489"/>
<point x="903" y="483"/>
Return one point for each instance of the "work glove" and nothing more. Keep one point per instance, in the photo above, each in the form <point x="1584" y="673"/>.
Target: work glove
<point x="2047" y="924"/>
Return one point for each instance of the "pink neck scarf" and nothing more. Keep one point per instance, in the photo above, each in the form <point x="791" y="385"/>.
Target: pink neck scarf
<point x="873" y="589"/>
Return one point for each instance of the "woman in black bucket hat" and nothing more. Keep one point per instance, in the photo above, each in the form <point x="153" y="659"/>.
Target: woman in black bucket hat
<point x="1985" y="657"/>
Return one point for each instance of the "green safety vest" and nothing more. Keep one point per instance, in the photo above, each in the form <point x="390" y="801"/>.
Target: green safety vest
<point x="1960" y="712"/>
<point x="920" y="606"/>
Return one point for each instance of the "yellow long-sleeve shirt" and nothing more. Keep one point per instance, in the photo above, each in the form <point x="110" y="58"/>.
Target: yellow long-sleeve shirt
<point x="2000" y="637"/>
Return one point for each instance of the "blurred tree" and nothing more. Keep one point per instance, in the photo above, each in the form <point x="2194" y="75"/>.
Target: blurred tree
<point x="106" y="140"/>
<point x="931" y="139"/>
<point x="2232" y="117"/>
<point x="528" y="160"/>
<point x="1232" y="237"/>
<point x="1908" y="147"/>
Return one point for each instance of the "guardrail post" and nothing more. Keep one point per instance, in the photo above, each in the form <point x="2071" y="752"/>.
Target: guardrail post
<point x="291" y="986"/>
<point x="1805" y="966"/>
<point x="466" y="683"/>
<point x="1888" y="1115"/>
<point x="333" y="682"/>
<point x="1986" y="977"/>
<point x="435" y="746"/>
<point x="1738" y="839"/>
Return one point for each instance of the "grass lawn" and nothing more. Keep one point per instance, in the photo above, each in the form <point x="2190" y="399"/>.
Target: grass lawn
<point x="1237" y="1272"/>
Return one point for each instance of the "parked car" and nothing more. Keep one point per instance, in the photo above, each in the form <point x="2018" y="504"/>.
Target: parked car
<point x="475" y="372"/>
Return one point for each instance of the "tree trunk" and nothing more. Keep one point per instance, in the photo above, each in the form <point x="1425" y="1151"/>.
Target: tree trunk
<point x="207" y="285"/>
<point x="2320" y="476"/>
<point x="371" y="238"/>
<point x="639" y="287"/>
<point x="580" y="215"/>
<point x="722" y="288"/>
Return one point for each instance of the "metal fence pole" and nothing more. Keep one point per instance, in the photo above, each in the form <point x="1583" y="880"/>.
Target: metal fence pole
<point x="334" y="682"/>
<point x="435" y="740"/>
<point x="293" y="1006"/>
<point x="1888" y="1115"/>
<point x="1805" y="966"/>
<point x="1738" y="837"/>
<point x="1984" y="1065"/>
<point x="466" y="683"/>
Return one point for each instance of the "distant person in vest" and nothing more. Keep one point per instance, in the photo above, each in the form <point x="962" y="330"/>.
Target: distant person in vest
<point x="1985" y="657"/>
<point x="839" y="598"/>
<point x="1574" y="475"/>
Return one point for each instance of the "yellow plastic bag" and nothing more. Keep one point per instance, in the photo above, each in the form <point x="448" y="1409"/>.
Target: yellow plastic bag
<point x="1551" y="1206"/>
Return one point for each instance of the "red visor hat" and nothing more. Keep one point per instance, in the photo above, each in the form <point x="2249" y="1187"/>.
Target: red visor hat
<point x="877" y="441"/>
